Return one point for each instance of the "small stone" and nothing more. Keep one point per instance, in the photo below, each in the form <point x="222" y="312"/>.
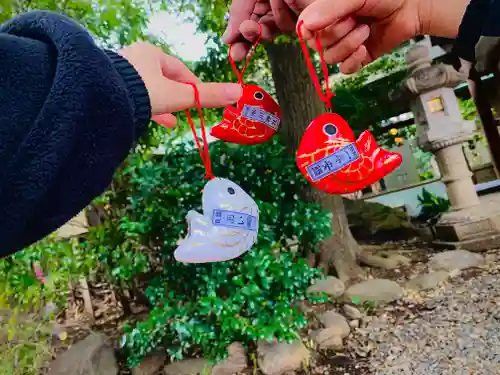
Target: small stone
<point x="490" y="258"/>
<point x="314" y="333"/>
<point x="279" y="358"/>
<point x="193" y="366"/>
<point x="328" y="338"/>
<point x="427" y="281"/>
<point x="352" y="312"/>
<point x="379" y="291"/>
<point x="92" y="356"/>
<point x="235" y="362"/>
<point x="366" y="320"/>
<point x="331" y="286"/>
<point x="151" y="364"/>
<point x="454" y="273"/>
<point x="336" y="323"/>
<point x="354" y="324"/>
<point x="456" y="260"/>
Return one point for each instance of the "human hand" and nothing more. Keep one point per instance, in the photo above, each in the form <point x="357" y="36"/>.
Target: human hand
<point x="245" y="16"/>
<point x="381" y="25"/>
<point x="275" y="16"/>
<point x="164" y="77"/>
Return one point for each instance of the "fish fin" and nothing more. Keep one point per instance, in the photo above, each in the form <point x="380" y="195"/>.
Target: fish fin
<point x="197" y="222"/>
<point x="366" y="143"/>
<point x="198" y="218"/>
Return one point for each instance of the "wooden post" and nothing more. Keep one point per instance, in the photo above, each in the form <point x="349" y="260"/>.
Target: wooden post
<point x="488" y="121"/>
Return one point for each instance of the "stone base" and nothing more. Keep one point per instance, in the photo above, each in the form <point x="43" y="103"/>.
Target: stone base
<point x="483" y="242"/>
<point x="473" y="229"/>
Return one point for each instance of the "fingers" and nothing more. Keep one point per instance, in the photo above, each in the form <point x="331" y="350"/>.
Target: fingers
<point x="174" y="69"/>
<point x="166" y="119"/>
<point x="334" y="33"/>
<point x="240" y="50"/>
<point x="240" y="10"/>
<point x="180" y="96"/>
<point x="267" y="19"/>
<point x="347" y="45"/>
<point x="251" y="31"/>
<point x="356" y="61"/>
<point x="321" y="13"/>
<point x="283" y="17"/>
<point x="381" y="41"/>
<point x="297" y="6"/>
<point x="261" y="8"/>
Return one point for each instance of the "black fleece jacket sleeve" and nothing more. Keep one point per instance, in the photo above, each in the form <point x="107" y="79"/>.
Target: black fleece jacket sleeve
<point x="470" y="29"/>
<point x="69" y="114"/>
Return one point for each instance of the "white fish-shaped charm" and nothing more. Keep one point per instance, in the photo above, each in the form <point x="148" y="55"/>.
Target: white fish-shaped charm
<point x="227" y="229"/>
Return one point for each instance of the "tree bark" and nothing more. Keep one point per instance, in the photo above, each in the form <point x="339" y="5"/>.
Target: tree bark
<point x="300" y="104"/>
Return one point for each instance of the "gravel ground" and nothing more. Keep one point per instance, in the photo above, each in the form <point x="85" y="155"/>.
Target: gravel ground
<point x="453" y="330"/>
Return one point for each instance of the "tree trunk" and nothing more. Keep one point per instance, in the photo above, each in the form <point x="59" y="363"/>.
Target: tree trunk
<point x="300" y="104"/>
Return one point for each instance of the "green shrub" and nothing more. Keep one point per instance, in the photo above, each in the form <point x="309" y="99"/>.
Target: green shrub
<point x="25" y="328"/>
<point x="211" y="306"/>
<point x="60" y="262"/>
<point x="207" y="307"/>
<point x="193" y="308"/>
<point x="25" y="344"/>
<point x="432" y="206"/>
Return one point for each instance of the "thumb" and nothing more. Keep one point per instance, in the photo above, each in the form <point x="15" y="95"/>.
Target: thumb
<point x="212" y="95"/>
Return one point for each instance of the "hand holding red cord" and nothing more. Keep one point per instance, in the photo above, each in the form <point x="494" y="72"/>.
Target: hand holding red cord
<point x="353" y="32"/>
<point x="164" y="77"/>
<point x="245" y="16"/>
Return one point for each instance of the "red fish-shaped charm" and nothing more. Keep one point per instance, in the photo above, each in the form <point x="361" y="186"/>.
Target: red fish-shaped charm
<point x="333" y="161"/>
<point x="255" y="119"/>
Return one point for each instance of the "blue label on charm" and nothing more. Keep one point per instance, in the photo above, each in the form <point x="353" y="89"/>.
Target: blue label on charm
<point x="333" y="163"/>
<point x="254" y="113"/>
<point x="233" y="219"/>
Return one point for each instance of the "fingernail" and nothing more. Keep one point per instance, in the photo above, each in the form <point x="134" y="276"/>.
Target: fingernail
<point x="312" y="17"/>
<point x="365" y="29"/>
<point x="234" y="92"/>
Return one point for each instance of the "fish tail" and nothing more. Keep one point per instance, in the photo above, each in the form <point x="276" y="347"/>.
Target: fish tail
<point x="389" y="160"/>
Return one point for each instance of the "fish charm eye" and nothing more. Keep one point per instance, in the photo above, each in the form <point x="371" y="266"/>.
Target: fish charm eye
<point x="258" y="95"/>
<point x="330" y="130"/>
<point x="230" y="190"/>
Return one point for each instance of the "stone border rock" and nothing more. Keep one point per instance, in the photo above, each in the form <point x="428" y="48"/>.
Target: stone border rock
<point x="280" y="358"/>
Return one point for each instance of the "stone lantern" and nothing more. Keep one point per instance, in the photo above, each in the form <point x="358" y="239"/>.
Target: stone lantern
<point x="442" y="131"/>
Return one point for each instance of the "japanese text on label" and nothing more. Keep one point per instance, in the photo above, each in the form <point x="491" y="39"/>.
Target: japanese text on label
<point x="234" y="220"/>
<point x="254" y="113"/>
<point x="333" y="163"/>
